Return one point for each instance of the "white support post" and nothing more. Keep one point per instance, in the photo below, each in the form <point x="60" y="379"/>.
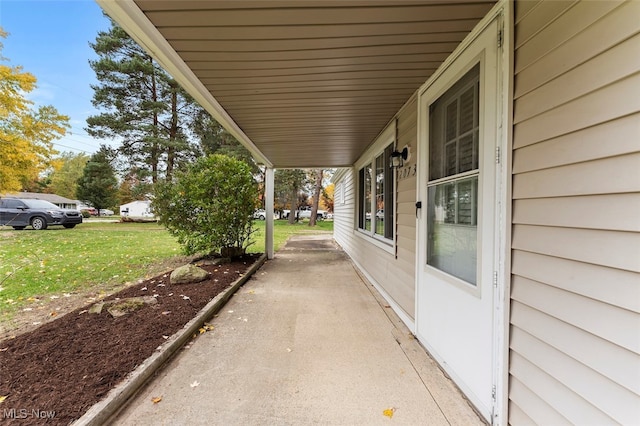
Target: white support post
<point x="268" y="207"/>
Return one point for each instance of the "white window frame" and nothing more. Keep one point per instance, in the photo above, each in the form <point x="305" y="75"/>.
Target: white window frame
<point x="386" y="138"/>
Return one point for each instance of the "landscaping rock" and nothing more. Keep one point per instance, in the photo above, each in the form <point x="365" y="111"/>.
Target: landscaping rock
<point x="188" y="274"/>
<point x="118" y="308"/>
<point x="96" y="308"/>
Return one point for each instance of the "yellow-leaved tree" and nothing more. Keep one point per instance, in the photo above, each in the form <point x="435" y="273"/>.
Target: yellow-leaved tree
<point x="26" y="133"/>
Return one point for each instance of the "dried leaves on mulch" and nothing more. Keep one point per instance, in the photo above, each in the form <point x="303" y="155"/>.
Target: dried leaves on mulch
<point x="65" y="366"/>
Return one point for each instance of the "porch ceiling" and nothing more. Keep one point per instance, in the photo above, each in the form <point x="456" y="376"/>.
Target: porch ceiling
<point x="303" y="83"/>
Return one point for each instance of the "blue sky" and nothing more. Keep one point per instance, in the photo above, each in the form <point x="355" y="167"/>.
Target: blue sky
<point x="50" y="39"/>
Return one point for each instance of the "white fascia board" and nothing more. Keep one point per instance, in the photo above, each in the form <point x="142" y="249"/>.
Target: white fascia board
<point x="129" y="16"/>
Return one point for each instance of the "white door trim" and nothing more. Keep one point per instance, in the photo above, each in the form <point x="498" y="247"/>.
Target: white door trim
<point x="504" y="214"/>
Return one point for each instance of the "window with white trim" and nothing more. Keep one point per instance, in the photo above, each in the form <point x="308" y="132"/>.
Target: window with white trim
<point x="452" y="205"/>
<point x="375" y="196"/>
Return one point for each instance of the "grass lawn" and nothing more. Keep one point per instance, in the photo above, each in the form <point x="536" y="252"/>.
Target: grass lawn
<point x="58" y="261"/>
<point x="282" y="231"/>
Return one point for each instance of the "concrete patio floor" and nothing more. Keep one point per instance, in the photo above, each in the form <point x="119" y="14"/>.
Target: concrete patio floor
<point x="305" y="341"/>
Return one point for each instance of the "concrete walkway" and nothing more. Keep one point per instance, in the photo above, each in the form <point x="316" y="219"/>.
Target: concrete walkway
<point x="305" y="341"/>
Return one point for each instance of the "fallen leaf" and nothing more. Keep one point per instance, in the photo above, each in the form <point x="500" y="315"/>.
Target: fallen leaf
<point x="2" y="398"/>
<point x="3" y="349"/>
<point x="389" y="412"/>
<point x="53" y="314"/>
<point x="194" y="384"/>
<point x="156" y="399"/>
<point x="165" y="337"/>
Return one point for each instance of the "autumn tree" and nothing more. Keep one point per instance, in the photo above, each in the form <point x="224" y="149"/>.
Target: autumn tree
<point x="327" y="197"/>
<point x="133" y="188"/>
<point x="64" y="178"/>
<point x="26" y="132"/>
<point x="98" y="186"/>
<point x="141" y="105"/>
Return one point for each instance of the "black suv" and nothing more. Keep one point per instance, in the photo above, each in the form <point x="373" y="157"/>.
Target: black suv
<point x="19" y="213"/>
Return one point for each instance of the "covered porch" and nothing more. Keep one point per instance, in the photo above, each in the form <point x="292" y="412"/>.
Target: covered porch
<point x="301" y="84"/>
<point x="307" y="340"/>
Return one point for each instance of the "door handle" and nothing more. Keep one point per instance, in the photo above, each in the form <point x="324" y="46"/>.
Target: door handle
<point x="418" y="206"/>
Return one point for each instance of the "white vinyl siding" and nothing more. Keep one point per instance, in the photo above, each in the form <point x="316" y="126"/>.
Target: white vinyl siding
<point x="392" y="272"/>
<point x="575" y="290"/>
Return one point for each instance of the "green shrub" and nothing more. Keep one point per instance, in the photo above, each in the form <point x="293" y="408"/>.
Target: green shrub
<point x="209" y="207"/>
<point x="85" y="213"/>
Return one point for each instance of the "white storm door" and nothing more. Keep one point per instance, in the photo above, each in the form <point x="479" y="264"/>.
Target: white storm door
<point x="457" y="230"/>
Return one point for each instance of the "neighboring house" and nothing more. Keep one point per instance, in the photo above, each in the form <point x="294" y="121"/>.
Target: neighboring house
<point x="509" y="237"/>
<point x="141" y="208"/>
<point x="62" y="202"/>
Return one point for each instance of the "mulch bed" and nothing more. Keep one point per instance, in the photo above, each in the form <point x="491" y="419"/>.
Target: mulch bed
<point x="65" y="366"/>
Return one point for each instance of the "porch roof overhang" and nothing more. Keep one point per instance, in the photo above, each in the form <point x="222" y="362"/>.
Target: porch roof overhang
<point x="300" y="83"/>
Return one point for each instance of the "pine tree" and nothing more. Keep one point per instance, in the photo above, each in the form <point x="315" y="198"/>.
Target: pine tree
<point x="98" y="186"/>
<point x="143" y="107"/>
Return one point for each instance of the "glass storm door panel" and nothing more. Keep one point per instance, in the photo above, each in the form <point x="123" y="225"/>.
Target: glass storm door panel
<point x="456" y="230"/>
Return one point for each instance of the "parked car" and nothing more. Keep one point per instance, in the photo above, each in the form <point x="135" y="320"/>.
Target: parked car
<point x="379" y="215"/>
<point x="260" y="214"/>
<point x="92" y="211"/>
<point x="20" y="213"/>
<point x="106" y="212"/>
<point x="305" y="213"/>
